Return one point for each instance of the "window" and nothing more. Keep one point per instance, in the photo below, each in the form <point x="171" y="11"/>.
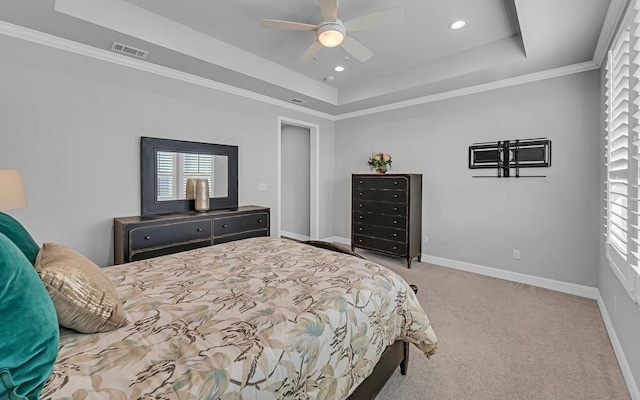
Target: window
<point x="175" y="168"/>
<point x="622" y="95"/>
<point x="166" y="182"/>
<point x="198" y="166"/>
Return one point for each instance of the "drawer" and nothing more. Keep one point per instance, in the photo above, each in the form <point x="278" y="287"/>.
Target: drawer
<point x="387" y="221"/>
<point x="381" y="182"/>
<point x="396" y="235"/>
<point x="392" y="196"/>
<point x="163" y="251"/>
<point x="240" y="236"/>
<point x="380" y="207"/>
<point x="396" y="248"/>
<point x="171" y="233"/>
<point x="240" y="223"/>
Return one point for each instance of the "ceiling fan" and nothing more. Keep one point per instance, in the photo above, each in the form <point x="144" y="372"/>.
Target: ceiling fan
<point x="332" y="32"/>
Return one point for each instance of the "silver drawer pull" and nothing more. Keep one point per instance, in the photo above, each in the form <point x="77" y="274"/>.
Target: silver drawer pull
<point x="199" y="229"/>
<point x="360" y="240"/>
<point x="395" y="182"/>
<point x="395" y="195"/>
<point x="147" y="238"/>
<point x="361" y="217"/>
<point x="395" y="234"/>
<point x="361" y="182"/>
<point x="260" y="221"/>
<point x="395" y="222"/>
<point x="360" y="193"/>
<point x="360" y="228"/>
<point x="224" y="226"/>
<point x="395" y="248"/>
<point x="360" y="205"/>
<point x="395" y="208"/>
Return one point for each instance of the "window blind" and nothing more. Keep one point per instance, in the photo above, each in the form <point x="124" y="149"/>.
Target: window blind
<point x="165" y="167"/>
<point x="199" y="166"/>
<point x="622" y="96"/>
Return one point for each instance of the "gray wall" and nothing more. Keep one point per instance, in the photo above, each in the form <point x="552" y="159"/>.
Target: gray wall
<point x="624" y="313"/>
<point x="552" y="221"/>
<point x="296" y="182"/>
<point x="72" y="125"/>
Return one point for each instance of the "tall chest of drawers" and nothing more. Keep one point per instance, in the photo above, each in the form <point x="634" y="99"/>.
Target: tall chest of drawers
<point x="386" y="214"/>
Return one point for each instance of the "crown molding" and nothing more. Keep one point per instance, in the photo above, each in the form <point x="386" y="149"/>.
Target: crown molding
<point x="56" y="42"/>
<point x="518" y="80"/>
<point x="45" y="39"/>
<point x="609" y="28"/>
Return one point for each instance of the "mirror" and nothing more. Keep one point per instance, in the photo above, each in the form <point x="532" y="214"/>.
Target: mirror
<point x="168" y="166"/>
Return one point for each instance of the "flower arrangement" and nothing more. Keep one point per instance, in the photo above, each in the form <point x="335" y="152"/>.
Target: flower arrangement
<point x="379" y="162"/>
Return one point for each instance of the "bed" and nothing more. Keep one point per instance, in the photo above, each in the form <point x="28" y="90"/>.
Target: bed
<point x="259" y="318"/>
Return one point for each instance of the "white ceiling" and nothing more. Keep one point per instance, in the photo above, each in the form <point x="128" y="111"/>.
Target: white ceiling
<point x="223" y="41"/>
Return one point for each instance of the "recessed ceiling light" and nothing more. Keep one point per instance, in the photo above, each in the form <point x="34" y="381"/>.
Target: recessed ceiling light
<point x="339" y="68"/>
<point x="457" y="24"/>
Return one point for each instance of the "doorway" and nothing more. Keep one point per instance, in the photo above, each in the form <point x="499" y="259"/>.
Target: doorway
<point x="298" y="181"/>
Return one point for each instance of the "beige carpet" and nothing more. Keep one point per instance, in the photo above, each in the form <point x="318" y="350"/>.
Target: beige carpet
<point x="504" y="340"/>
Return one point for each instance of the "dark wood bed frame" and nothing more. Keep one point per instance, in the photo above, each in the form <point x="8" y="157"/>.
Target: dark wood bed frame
<point x="396" y="354"/>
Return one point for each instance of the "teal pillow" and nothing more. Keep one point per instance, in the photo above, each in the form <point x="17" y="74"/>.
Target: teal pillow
<point x="18" y="235"/>
<point x="29" y="334"/>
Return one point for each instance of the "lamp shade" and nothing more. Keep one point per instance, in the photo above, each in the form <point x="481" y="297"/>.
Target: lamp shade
<point x="331" y="34"/>
<point x="12" y="193"/>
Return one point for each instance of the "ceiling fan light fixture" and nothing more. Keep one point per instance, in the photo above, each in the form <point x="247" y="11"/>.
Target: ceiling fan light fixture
<point x="331" y="34"/>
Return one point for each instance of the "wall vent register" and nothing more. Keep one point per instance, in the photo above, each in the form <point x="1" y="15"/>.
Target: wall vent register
<point x="128" y="50"/>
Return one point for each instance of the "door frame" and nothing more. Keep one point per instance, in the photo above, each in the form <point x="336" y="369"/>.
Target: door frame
<point x="314" y="178"/>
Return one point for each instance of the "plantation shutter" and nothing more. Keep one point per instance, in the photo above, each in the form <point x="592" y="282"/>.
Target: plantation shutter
<point x="198" y="166"/>
<point x="165" y="166"/>
<point x="622" y="85"/>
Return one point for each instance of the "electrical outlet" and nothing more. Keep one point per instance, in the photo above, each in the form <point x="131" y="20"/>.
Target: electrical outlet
<point x="425" y="240"/>
<point x="262" y="186"/>
<point x="516" y="254"/>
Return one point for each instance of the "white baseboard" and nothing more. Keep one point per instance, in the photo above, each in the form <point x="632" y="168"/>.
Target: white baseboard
<point x="619" y="352"/>
<point x="294" y="235"/>
<point x="337" y="239"/>
<point x="552" y="284"/>
<point x="559" y="286"/>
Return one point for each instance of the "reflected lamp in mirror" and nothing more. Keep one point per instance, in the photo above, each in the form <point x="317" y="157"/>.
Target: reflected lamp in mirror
<point x="12" y="192"/>
<point x="171" y="168"/>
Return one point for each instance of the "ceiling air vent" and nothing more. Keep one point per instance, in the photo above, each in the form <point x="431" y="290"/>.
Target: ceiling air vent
<point x="128" y="50"/>
<point x="296" y="100"/>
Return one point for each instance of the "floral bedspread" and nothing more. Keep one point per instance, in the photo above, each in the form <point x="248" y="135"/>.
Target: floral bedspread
<point x="260" y="318"/>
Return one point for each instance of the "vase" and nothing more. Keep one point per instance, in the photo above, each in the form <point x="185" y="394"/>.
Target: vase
<point x="191" y="188"/>
<point x="202" y="195"/>
<point x="381" y="170"/>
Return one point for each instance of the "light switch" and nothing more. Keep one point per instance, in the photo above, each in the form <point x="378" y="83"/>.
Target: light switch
<point x="262" y="186"/>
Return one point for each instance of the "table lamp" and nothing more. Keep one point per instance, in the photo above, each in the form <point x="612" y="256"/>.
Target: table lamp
<point x="12" y="192"/>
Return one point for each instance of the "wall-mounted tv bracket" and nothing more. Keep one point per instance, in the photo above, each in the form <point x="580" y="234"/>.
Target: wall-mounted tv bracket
<point x="507" y="155"/>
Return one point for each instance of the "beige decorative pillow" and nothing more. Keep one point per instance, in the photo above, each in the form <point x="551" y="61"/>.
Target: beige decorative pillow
<point x="84" y="297"/>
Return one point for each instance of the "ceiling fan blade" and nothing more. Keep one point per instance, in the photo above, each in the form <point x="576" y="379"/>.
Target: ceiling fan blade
<point x="292" y="26"/>
<point x="375" y="20"/>
<point x="329" y="9"/>
<point x="356" y="49"/>
<point x="310" y="53"/>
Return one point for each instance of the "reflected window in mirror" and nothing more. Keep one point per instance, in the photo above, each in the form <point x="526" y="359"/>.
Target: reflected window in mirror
<point x="176" y="170"/>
